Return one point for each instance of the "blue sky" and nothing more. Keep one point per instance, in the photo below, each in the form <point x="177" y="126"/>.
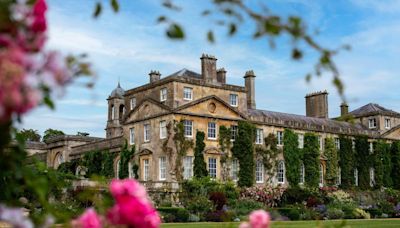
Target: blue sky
<point x="127" y="45"/>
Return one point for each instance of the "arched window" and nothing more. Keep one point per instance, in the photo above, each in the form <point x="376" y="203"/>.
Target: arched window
<point x="117" y="168"/>
<point x="321" y="175"/>
<point x="302" y="173"/>
<point x="356" y="177"/>
<point x="281" y="172"/>
<point x="339" y="177"/>
<point x="58" y="160"/>
<point x="371" y="177"/>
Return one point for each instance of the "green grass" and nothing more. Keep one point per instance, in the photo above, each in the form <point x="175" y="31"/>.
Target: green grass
<point x="366" y="223"/>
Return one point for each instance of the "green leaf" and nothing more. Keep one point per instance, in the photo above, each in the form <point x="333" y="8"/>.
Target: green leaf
<point x="115" y="5"/>
<point x="210" y="37"/>
<point x="47" y="101"/>
<point x="175" y="31"/>
<point x="97" y="10"/>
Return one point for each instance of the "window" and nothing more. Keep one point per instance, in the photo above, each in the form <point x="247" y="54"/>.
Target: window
<point x="235" y="169"/>
<point x="387" y="123"/>
<point x="371" y="177"/>
<point x="371" y="147"/>
<point x="130" y="170"/>
<point x="146" y="169"/>
<point x="133" y="102"/>
<point x="117" y="168"/>
<point x="353" y="144"/>
<point x="321" y="175"/>
<point x="162" y="168"/>
<point x="356" y="177"/>
<point x="337" y="143"/>
<point x="321" y="143"/>
<point x="279" y="136"/>
<point x="339" y="177"/>
<point x="281" y="172"/>
<point x="163" y="129"/>
<point x="259" y="171"/>
<point x="146" y="132"/>
<point x="372" y="123"/>
<point x="188" y="127"/>
<point x="302" y="173"/>
<point x="301" y="141"/>
<point x="163" y="94"/>
<point x="187" y="167"/>
<point x="132" y="136"/>
<point x="212" y="130"/>
<point x="112" y="112"/>
<point x="234" y="132"/>
<point x="259" y="136"/>
<point x="187" y="93"/>
<point x="233" y="99"/>
<point x="212" y="167"/>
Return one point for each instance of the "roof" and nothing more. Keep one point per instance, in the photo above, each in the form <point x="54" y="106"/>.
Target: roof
<point x="117" y="92"/>
<point x="373" y="109"/>
<point x="308" y="123"/>
<point x="186" y="73"/>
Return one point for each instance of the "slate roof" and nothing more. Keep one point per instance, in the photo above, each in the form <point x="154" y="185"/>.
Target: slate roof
<point x="186" y="73"/>
<point x="373" y="109"/>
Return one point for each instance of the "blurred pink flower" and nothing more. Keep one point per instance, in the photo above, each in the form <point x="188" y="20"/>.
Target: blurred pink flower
<point x="259" y="219"/>
<point x="89" y="219"/>
<point x="39" y="23"/>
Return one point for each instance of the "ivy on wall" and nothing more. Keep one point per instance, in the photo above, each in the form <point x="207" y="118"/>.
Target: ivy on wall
<point x="363" y="161"/>
<point x="126" y="156"/>
<point x="382" y="164"/>
<point x="107" y="164"/>
<point x="243" y="150"/>
<point x="93" y="161"/>
<point x="224" y="140"/>
<point x="182" y="145"/>
<point x="68" y="167"/>
<point x="291" y="153"/>
<point x="346" y="162"/>
<point x="332" y="162"/>
<point x="269" y="153"/>
<point x="395" y="154"/>
<point x="311" y="160"/>
<point x="200" y="167"/>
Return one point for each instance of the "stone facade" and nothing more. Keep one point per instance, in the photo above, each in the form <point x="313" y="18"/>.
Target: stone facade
<point x="141" y="116"/>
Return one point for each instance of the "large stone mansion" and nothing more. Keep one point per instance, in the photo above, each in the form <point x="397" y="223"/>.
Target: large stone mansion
<point x="204" y="102"/>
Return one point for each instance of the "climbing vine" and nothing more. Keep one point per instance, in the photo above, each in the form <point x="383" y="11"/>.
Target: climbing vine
<point x="68" y="167"/>
<point x="93" y="161"/>
<point x="108" y="164"/>
<point x="243" y="150"/>
<point x="332" y="162"/>
<point x="382" y="164"/>
<point x="292" y="157"/>
<point x="395" y="154"/>
<point x="126" y="156"/>
<point x="346" y="162"/>
<point x="200" y="167"/>
<point x="224" y="140"/>
<point x="269" y="153"/>
<point x="363" y="161"/>
<point x="311" y="160"/>
<point x="182" y="145"/>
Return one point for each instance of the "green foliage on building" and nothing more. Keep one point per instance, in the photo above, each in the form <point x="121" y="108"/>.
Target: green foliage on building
<point x="93" y="161"/>
<point x="346" y="162"/>
<point x="200" y="167"/>
<point x="311" y="160"/>
<point x="363" y="161"/>
<point x="382" y="164"/>
<point x="269" y="154"/>
<point x="126" y="156"/>
<point x="395" y="154"/>
<point x="292" y="157"/>
<point x="243" y="150"/>
<point x="332" y="162"/>
<point x="182" y="145"/>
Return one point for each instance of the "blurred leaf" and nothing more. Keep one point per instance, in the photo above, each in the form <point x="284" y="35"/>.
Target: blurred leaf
<point x="47" y="101"/>
<point x="272" y="25"/>
<point x="297" y="54"/>
<point x="232" y="29"/>
<point x="161" y="19"/>
<point x="115" y="5"/>
<point x="206" y="12"/>
<point x="175" y="32"/>
<point x="308" y="77"/>
<point x="210" y="37"/>
<point x="168" y="4"/>
<point x="97" y="10"/>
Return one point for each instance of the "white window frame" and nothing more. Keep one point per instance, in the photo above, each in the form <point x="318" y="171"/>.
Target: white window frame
<point x="339" y="176"/>
<point x="302" y="174"/>
<point x="146" y="169"/>
<point x="163" y="129"/>
<point x="146" y="133"/>
<point x="132" y="136"/>
<point x="187" y="93"/>
<point x="321" y="175"/>
<point x="300" y="138"/>
<point x="356" y="177"/>
<point x="321" y="142"/>
<point x="162" y="168"/>
<point x="133" y="103"/>
<point x="281" y="172"/>
<point x="234" y="132"/>
<point x="279" y="137"/>
<point x="353" y="144"/>
<point x="163" y="94"/>
<point x="187" y="167"/>
<point x="259" y="136"/>
<point x="372" y="123"/>
<point x="259" y="172"/>
<point x="371" y="147"/>
<point x="186" y="125"/>
<point x="118" y="165"/>
<point x="388" y="123"/>
<point x="235" y="170"/>
<point x="371" y="177"/>
<point x="212" y="130"/>
<point x="130" y="170"/>
<point x="212" y="167"/>
<point x="233" y="100"/>
<point x="337" y="143"/>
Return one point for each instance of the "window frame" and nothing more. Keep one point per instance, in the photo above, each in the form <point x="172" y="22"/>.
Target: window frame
<point x="388" y="123"/>
<point x="146" y="169"/>
<point x="185" y="128"/>
<point x="132" y="136"/>
<point x="163" y="94"/>
<point x="279" y="138"/>
<point x="300" y="140"/>
<point x="162" y="168"/>
<point x="209" y="130"/>
<point x="235" y="170"/>
<point x="214" y="168"/>
<point x="133" y="102"/>
<point x="281" y="172"/>
<point x="259" y="136"/>
<point x="321" y="175"/>
<point x="259" y="175"/>
<point x="234" y="132"/>
<point x="163" y="129"/>
<point x="187" y="171"/>
<point x="337" y="143"/>
<point x="146" y="133"/>
<point x="302" y="174"/>
<point x="374" y="123"/>
<point x="235" y="96"/>
<point x="185" y="90"/>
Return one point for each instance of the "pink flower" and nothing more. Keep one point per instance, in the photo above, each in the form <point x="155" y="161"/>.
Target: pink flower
<point x="259" y="219"/>
<point x="89" y="219"/>
<point x="39" y="20"/>
<point x="126" y="189"/>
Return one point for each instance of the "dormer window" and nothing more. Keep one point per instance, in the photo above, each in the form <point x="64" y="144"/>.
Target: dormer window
<point x="233" y="100"/>
<point x="163" y="94"/>
<point x="387" y="123"/>
<point x="133" y="103"/>
<point x="187" y="93"/>
<point x="372" y="123"/>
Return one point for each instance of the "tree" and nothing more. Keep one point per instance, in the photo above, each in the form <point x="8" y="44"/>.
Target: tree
<point x="332" y="162"/>
<point x="346" y="162"/>
<point x="200" y="167"/>
<point x="311" y="160"/>
<point x="363" y="161"/>
<point x="243" y="150"/>
<point x="30" y="135"/>
<point x="395" y="154"/>
<point x="291" y="153"/>
<point x="49" y="133"/>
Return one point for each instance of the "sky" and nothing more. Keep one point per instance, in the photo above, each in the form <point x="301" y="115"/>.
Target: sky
<point x="126" y="46"/>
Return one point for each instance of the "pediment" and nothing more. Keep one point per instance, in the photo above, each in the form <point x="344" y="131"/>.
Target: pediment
<point x="211" y="106"/>
<point x="393" y="133"/>
<point x="146" y="109"/>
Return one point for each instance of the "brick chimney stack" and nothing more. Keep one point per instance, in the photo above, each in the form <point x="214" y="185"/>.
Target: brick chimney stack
<point x="317" y="104"/>
<point x="154" y="76"/>
<point x="344" y="109"/>
<point x="209" y="68"/>
<point x="249" y="79"/>
<point x="221" y="75"/>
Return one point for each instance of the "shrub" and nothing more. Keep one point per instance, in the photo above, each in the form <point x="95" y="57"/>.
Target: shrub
<point x="219" y="199"/>
<point x="386" y="207"/>
<point x="294" y="195"/>
<point x="217" y="216"/>
<point x="244" y="206"/>
<point x="269" y="196"/>
<point x="309" y="214"/>
<point x="199" y="205"/>
<point x="359" y="213"/>
<point x="291" y="213"/>
<point x="335" y="213"/>
<point x="174" y="214"/>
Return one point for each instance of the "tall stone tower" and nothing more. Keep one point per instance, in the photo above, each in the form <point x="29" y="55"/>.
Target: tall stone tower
<point x="116" y="111"/>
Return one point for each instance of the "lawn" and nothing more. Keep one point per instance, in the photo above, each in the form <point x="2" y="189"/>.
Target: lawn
<point x="300" y="224"/>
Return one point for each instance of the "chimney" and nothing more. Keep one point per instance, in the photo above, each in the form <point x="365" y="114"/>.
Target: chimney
<point x="221" y="75"/>
<point x="317" y="104"/>
<point x="344" y="109"/>
<point x="249" y="78"/>
<point x="154" y="76"/>
<point x="209" y="68"/>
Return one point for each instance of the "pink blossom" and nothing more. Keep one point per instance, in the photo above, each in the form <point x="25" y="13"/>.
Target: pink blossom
<point x="39" y="20"/>
<point x="259" y="219"/>
<point x="89" y="219"/>
<point x="126" y="189"/>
